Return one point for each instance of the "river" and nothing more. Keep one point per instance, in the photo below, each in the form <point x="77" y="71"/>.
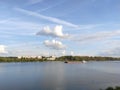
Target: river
<point x="57" y="75"/>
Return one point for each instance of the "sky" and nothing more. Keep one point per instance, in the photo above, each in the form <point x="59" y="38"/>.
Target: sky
<point x="60" y="27"/>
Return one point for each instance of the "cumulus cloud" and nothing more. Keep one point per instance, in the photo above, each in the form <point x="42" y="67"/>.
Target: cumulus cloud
<point x="2" y="49"/>
<point x="72" y="53"/>
<point x="54" y="44"/>
<point x="63" y="52"/>
<point x="55" y="32"/>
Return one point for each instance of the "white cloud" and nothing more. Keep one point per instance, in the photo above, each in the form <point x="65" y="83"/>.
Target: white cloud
<point x="2" y="49"/>
<point x="55" y="32"/>
<point x="72" y="53"/>
<point x="64" y="52"/>
<point x="54" y="44"/>
<point x="52" y="19"/>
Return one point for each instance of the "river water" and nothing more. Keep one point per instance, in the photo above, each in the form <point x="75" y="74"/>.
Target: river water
<point x="59" y="75"/>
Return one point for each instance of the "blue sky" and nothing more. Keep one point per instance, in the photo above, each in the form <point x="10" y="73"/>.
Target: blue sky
<point x="60" y="27"/>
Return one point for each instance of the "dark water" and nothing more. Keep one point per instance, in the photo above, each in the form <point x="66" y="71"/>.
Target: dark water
<point x="59" y="76"/>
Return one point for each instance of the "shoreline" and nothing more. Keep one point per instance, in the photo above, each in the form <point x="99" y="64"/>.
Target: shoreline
<point x="69" y="62"/>
<point x="71" y="59"/>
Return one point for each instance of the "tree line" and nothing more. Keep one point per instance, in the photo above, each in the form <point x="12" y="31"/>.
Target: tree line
<point x="87" y="58"/>
<point x="16" y="59"/>
<point x="62" y="58"/>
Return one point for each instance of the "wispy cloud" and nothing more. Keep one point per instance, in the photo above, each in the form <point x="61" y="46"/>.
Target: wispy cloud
<point x="18" y="27"/>
<point x="111" y="48"/>
<point x="6" y="20"/>
<point x="97" y="36"/>
<point x="25" y="48"/>
<point x="52" y="19"/>
<point x="90" y="26"/>
<point x="51" y="6"/>
<point x="31" y="2"/>
<point x="114" y="52"/>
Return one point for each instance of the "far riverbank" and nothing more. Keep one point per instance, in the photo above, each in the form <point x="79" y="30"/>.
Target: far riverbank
<point x="62" y="58"/>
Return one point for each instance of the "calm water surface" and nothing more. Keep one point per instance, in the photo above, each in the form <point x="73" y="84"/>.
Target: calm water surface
<point x="59" y="76"/>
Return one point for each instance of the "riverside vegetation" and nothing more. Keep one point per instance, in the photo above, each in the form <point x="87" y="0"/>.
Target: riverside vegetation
<point x="111" y="88"/>
<point x="62" y="58"/>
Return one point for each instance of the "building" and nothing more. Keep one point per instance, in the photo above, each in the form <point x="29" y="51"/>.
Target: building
<point x="39" y="57"/>
<point x="52" y="58"/>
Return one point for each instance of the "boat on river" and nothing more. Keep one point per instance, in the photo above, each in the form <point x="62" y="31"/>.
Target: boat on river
<point x="83" y="61"/>
<point x="66" y="62"/>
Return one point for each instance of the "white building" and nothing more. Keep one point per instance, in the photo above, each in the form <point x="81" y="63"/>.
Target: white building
<point x="52" y="58"/>
<point x="39" y="57"/>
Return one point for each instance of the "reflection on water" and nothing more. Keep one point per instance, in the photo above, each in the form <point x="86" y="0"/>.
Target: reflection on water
<point x="59" y="76"/>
